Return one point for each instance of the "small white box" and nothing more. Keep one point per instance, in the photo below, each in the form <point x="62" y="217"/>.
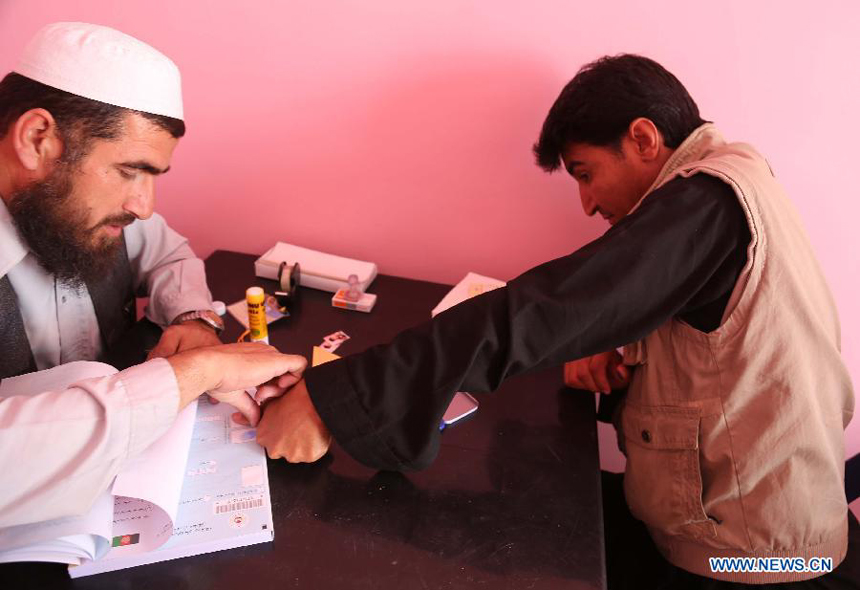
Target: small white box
<point x="318" y="270"/>
<point x="365" y="303"/>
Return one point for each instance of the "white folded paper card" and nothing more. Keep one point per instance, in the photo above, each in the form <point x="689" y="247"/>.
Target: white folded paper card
<point x="318" y="270"/>
<point x="471" y="285"/>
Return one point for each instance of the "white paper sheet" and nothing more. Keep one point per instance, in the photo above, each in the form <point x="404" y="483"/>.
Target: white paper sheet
<point x="471" y="285"/>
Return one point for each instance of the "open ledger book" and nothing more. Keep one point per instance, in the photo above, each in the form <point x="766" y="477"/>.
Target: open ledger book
<point x="201" y="487"/>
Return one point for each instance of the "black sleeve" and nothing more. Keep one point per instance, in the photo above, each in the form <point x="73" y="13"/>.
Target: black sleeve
<point x="384" y="405"/>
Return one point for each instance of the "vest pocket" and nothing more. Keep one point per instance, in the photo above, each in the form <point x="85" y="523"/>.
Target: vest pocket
<point x="663" y="480"/>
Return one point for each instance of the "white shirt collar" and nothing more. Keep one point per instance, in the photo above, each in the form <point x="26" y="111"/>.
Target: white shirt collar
<point x="12" y="248"/>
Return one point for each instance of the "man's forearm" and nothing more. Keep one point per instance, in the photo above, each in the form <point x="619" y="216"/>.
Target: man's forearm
<point x="167" y="270"/>
<point x="608" y="293"/>
<point x="194" y="374"/>
<point x="67" y="432"/>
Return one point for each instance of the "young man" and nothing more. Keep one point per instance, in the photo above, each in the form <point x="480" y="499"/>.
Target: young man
<point x="88" y="120"/>
<point x="733" y="420"/>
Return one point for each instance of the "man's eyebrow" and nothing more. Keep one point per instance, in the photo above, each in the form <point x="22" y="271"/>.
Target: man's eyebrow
<point x="571" y="166"/>
<point x="145" y="166"/>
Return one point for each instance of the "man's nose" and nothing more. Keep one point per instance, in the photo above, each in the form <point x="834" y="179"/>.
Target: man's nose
<point x="588" y="204"/>
<point x="141" y="201"/>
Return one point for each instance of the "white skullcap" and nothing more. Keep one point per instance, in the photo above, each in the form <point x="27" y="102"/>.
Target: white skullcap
<point x="103" y="64"/>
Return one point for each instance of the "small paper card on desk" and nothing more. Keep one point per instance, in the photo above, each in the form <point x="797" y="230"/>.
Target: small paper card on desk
<point x="472" y="284"/>
<point x="322" y="356"/>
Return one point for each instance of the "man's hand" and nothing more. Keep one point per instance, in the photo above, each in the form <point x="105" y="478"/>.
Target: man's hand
<point x="602" y="372"/>
<point x="292" y="429"/>
<point x="184" y="336"/>
<point x="225" y="371"/>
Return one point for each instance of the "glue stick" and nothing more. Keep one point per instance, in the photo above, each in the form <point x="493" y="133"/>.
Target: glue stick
<point x="256" y="299"/>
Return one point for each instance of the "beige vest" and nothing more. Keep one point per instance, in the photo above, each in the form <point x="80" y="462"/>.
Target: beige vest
<point x="734" y="439"/>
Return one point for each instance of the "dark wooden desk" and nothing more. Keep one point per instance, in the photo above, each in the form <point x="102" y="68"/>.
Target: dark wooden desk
<point x="512" y="501"/>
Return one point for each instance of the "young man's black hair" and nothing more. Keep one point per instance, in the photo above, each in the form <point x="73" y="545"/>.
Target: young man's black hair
<point x="605" y="96"/>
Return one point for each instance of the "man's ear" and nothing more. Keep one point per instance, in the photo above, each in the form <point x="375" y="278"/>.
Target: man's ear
<point x="647" y="139"/>
<point x="36" y="141"/>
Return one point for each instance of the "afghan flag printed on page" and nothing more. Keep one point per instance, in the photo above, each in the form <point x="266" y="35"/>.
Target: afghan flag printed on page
<point x="124" y="540"/>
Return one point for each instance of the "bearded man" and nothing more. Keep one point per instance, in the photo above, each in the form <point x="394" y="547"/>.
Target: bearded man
<point x="88" y="120"/>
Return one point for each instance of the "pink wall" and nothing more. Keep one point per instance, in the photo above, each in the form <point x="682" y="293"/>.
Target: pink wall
<point x="400" y="132"/>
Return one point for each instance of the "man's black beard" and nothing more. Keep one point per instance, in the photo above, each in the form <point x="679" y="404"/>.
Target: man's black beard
<point x="56" y="231"/>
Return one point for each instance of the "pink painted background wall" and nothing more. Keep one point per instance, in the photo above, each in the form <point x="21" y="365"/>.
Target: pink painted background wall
<point x="400" y="132"/>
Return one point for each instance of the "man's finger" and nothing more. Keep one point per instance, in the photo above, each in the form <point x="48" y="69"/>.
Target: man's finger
<point x="268" y="391"/>
<point x="585" y="378"/>
<point x="569" y="378"/>
<point x="245" y="404"/>
<point x="598" y="373"/>
<point x="620" y="375"/>
<point x="296" y="366"/>
<point x="288" y="380"/>
<point x="574" y="376"/>
<point x="602" y="381"/>
<point x="166" y="346"/>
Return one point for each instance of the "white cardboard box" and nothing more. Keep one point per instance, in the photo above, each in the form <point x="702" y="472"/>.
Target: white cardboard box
<point x="318" y="269"/>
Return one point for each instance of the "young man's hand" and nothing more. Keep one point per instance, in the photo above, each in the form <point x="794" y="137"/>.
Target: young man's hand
<point x="602" y="372"/>
<point x="291" y="427"/>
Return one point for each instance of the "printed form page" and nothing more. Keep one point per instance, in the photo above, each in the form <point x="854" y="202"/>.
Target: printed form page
<point x="224" y="502"/>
